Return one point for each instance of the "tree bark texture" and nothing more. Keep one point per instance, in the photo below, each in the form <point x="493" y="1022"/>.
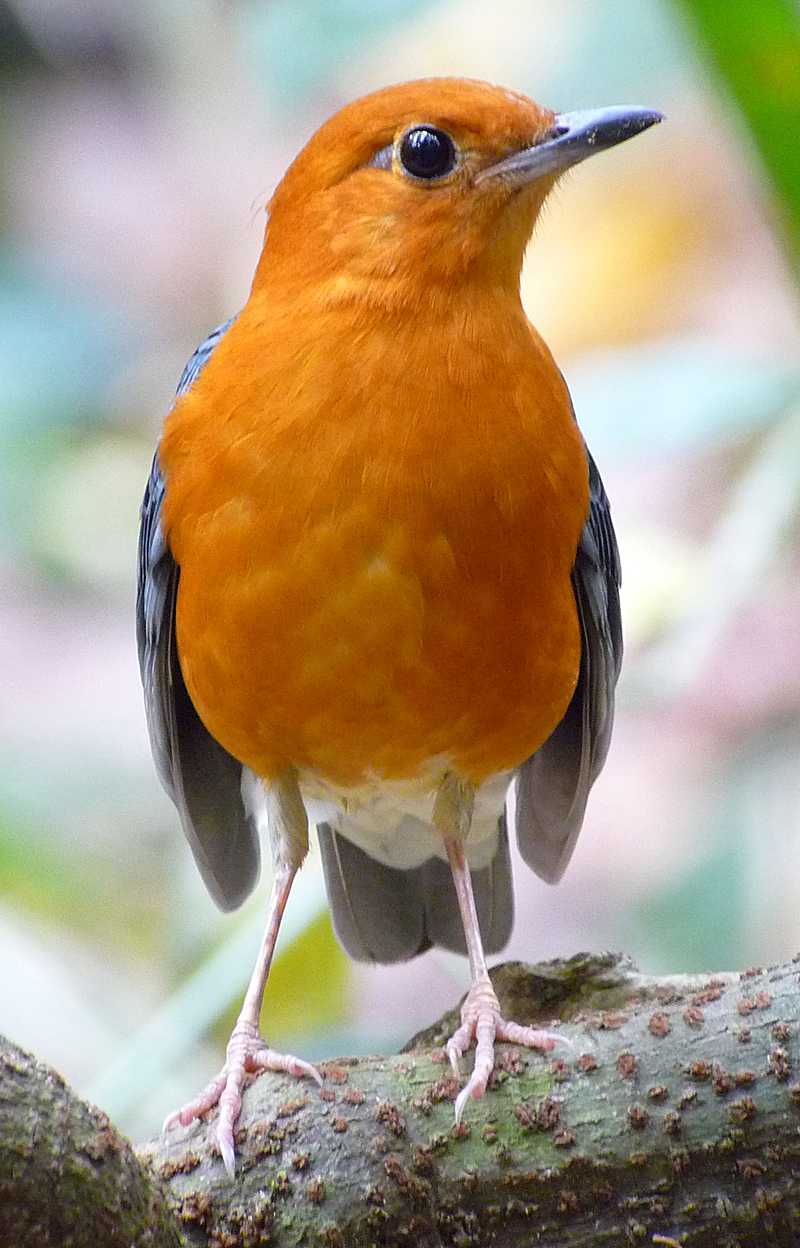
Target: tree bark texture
<point x="668" y="1114"/>
<point x="67" y="1177"/>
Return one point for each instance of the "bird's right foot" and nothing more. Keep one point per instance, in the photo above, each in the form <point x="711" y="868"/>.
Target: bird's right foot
<point x="247" y="1053"/>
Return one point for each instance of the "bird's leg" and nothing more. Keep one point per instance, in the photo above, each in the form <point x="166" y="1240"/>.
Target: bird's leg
<point x="247" y="1051"/>
<point x="481" y="1019"/>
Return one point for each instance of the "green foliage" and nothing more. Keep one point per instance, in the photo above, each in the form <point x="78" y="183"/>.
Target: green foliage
<point x="55" y="862"/>
<point x="754" y="45"/>
<point x="307" y="988"/>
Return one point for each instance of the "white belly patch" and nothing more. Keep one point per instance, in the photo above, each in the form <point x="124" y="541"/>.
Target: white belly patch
<point x="391" y="820"/>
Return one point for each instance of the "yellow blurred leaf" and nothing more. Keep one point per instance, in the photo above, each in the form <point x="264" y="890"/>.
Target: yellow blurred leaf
<point x="307" y="987"/>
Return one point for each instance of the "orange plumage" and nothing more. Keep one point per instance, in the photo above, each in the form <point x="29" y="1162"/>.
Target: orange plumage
<point x="374" y="471"/>
<point x="374" y="493"/>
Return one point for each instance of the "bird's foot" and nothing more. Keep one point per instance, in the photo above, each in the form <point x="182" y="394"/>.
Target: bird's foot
<point x="247" y="1053"/>
<point x="482" y="1022"/>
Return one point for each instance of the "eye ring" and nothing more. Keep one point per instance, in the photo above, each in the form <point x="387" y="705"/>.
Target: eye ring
<point x="427" y="153"/>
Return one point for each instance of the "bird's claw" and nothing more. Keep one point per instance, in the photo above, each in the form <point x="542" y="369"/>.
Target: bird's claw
<point x="247" y="1053"/>
<point x="482" y="1022"/>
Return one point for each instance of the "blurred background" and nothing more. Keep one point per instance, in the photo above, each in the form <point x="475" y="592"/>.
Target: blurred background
<point x="139" y="145"/>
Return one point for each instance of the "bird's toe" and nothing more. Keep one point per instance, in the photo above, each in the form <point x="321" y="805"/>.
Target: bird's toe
<point x="482" y="1021"/>
<point x="247" y="1054"/>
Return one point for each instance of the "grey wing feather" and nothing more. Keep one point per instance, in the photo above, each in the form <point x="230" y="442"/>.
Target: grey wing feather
<point x="382" y="914"/>
<point x="553" y="784"/>
<point x="203" y="779"/>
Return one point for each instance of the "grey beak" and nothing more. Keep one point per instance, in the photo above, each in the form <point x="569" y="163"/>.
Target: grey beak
<point x="571" y="138"/>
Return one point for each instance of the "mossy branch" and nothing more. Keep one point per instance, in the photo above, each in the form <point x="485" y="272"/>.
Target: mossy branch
<point x="668" y="1115"/>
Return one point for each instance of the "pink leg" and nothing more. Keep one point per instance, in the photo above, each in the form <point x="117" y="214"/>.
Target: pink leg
<point x="247" y="1051"/>
<point x="480" y="1014"/>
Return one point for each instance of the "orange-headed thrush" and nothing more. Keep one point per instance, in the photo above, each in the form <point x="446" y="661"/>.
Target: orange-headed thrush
<point x="378" y="579"/>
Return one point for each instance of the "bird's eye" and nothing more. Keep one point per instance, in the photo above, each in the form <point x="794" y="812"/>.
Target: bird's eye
<point x="426" y="152"/>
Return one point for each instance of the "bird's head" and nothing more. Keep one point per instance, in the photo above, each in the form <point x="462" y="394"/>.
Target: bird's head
<point x="427" y="184"/>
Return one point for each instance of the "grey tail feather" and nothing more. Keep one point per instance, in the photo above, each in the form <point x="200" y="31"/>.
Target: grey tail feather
<point x="494" y="901"/>
<point x="383" y="914"/>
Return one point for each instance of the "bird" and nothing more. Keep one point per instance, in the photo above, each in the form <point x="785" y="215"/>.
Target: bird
<point x="378" y="581"/>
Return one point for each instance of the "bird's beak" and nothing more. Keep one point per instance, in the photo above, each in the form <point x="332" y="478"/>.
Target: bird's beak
<point x="571" y="138"/>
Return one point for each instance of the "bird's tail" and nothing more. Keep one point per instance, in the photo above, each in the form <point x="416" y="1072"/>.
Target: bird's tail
<point x="384" y="914"/>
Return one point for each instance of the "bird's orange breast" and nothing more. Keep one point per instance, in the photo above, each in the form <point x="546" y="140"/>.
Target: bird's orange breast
<point x="375" y="520"/>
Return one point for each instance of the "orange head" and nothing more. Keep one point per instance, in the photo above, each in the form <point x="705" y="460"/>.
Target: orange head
<point x="426" y="184"/>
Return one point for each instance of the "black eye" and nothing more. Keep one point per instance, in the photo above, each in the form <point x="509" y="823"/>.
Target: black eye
<point x="427" y="153"/>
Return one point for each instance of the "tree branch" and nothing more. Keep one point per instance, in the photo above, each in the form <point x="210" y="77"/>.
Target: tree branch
<point x="668" y="1115"/>
<point x="66" y="1176"/>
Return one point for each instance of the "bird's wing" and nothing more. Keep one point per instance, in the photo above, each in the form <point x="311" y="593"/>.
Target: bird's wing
<point x="553" y="784"/>
<point x="203" y="779"/>
<point x="383" y="914"/>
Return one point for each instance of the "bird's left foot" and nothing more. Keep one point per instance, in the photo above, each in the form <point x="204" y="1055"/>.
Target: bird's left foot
<point x="482" y="1021"/>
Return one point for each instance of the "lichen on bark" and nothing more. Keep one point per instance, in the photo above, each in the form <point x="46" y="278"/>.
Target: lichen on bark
<point x="669" y="1114"/>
